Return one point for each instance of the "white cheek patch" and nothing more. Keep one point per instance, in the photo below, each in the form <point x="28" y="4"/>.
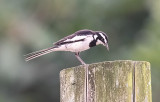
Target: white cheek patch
<point x="103" y="37"/>
<point x="98" y="42"/>
<point x="95" y="36"/>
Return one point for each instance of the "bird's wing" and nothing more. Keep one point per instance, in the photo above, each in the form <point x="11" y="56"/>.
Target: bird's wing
<point x="77" y="36"/>
<point x="64" y="39"/>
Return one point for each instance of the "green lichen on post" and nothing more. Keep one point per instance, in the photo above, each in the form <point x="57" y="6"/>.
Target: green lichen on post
<point x="72" y="84"/>
<point x="143" y="82"/>
<point x="111" y="81"/>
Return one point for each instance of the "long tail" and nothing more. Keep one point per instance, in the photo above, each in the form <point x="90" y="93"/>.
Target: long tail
<point x="36" y="54"/>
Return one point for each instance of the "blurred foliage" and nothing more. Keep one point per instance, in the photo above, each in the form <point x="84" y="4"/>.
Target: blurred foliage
<point x="30" y="25"/>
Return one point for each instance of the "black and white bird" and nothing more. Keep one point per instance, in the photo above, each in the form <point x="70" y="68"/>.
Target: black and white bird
<point x="77" y="42"/>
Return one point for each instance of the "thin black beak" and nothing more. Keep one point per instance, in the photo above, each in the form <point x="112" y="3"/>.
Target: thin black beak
<point x="107" y="46"/>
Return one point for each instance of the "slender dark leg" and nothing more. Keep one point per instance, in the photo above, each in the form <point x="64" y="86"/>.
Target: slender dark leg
<point x="77" y="56"/>
<point x="86" y="76"/>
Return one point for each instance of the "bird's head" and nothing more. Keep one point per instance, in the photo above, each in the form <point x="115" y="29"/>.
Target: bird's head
<point x="101" y="38"/>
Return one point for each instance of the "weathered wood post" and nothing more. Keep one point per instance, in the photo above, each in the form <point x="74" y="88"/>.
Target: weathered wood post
<point x="112" y="81"/>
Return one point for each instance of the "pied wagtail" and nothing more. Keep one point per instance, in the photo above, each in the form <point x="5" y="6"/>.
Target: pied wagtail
<point x="77" y="42"/>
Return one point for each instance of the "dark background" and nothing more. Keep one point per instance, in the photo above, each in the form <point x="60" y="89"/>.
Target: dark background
<point x="133" y="27"/>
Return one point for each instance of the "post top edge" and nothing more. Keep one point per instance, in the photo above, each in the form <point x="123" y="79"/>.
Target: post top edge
<point x="122" y="61"/>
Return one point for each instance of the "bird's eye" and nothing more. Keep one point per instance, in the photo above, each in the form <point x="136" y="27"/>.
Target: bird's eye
<point x="102" y="40"/>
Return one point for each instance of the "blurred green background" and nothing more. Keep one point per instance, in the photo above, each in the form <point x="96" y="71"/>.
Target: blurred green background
<point x="133" y="27"/>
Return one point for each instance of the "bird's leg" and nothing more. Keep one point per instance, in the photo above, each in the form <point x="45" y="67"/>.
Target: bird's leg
<point x="86" y="76"/>
<point x="77" y="55"/>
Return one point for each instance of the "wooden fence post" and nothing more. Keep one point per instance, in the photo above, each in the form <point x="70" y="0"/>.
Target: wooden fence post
<point x="111" y="81"/>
